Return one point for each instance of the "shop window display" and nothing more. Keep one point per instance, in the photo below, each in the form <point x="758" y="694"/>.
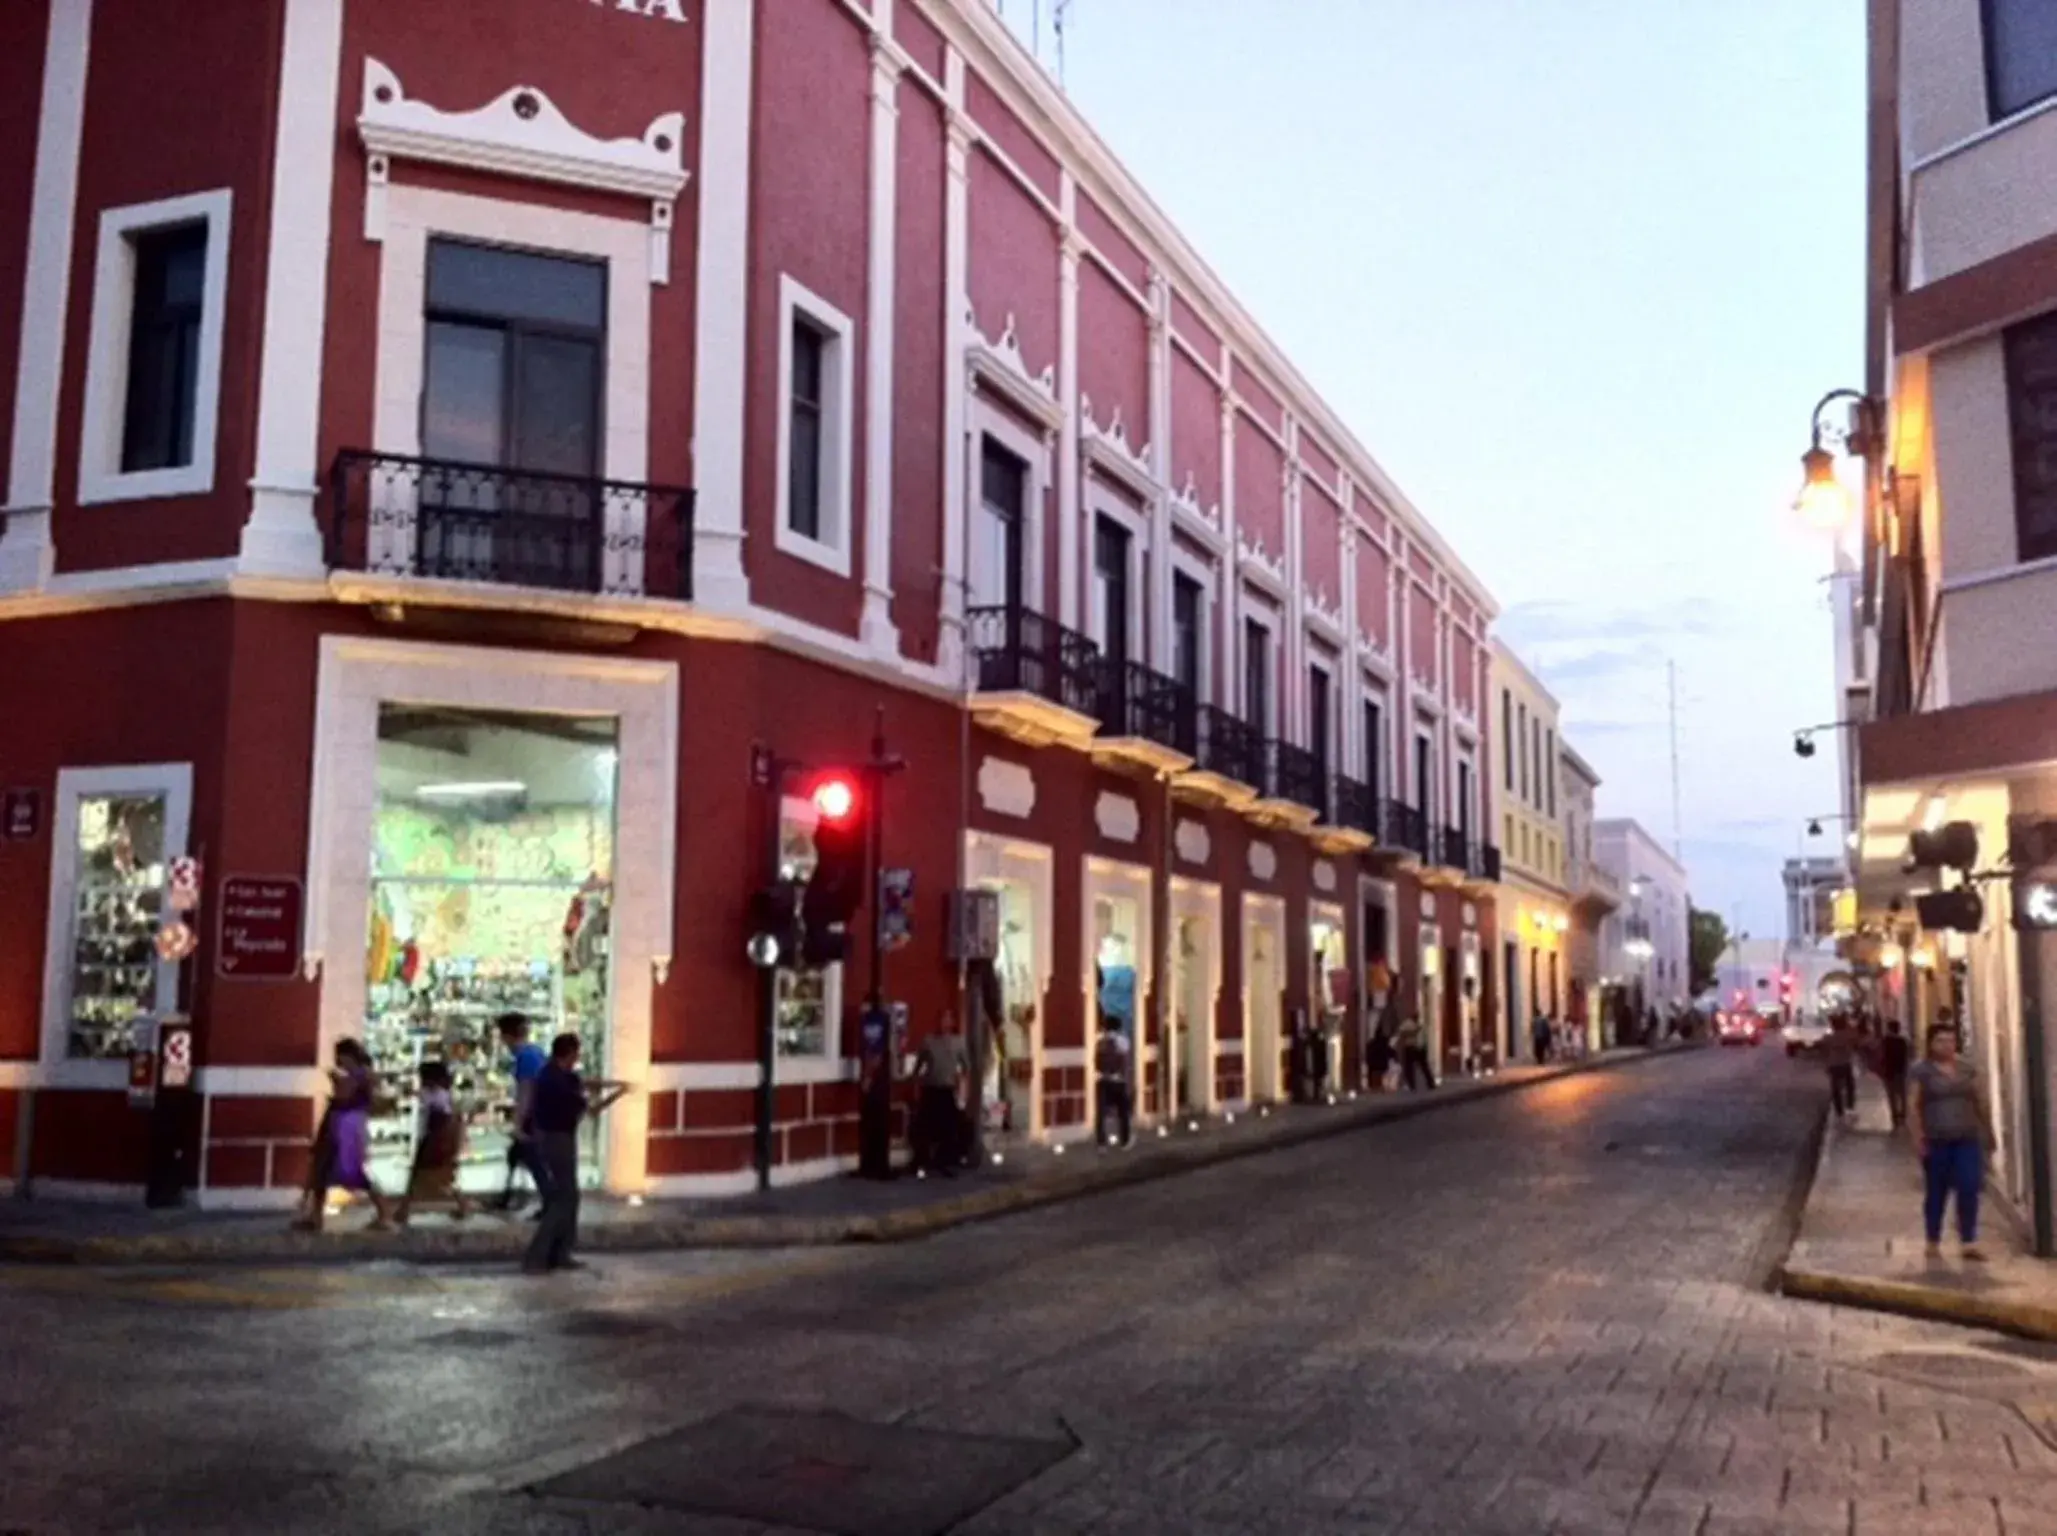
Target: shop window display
<point x="492" y="892"/>
<point x="1008" y="1092"/>
<point x="1114" y="930"/>
<point x="1330" y="988"/>
<point x="117" y="907"/>
<point x="809" y="997"/>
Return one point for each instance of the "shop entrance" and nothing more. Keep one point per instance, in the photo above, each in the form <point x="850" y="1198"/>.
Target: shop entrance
<point x="1264" y="981"/>
<point x="1009" y="1091"/>
<point x="492" y="891"/>
<point x="1328" y="983"/>
<point x="1190" y="1049"/>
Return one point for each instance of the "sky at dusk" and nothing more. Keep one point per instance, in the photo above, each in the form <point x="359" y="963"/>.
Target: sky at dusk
<point x="1575" y="271"/>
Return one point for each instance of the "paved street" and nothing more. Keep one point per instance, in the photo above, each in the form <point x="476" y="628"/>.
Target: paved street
<point x="1539" y="1312"/>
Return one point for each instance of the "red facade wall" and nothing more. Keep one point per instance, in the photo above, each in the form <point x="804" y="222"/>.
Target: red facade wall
<point x="1195" y="431"/>
<point x="917" y="35"/>
<point x="809" y="219"/>
<point x="1258" y="395"/>
<point x="1421" y="634"/>
<point x="1010" y="135"/>
<point x="1464" y="671"/>
<point x="139" y="90"/>
<point x="1114" y="354"/>
<point x="1321" y="548"/>
<point x="919" y="372"/>
<point x="1114" y="247"/>
<point x="1013" y="264"/>
<point x="1260" y="489"/>
<point x="1374" y="616"/>
<point x="1186" y="321"/>
<point x="24" y="30"/>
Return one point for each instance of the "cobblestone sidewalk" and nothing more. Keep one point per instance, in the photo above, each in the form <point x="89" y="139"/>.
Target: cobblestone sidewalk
<point x="1860" y="1240"/>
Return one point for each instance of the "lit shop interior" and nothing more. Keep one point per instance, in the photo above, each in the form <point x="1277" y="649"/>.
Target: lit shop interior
<point x="1192" y="995"/>
<point x="1008" y="1093"/>
<point x="492" y="890"/>
<point x="1329" y="984"/>
<point x="1117" y="922"/>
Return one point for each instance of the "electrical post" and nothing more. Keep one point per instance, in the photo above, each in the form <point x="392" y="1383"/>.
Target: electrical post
<point x="877" y="1047"/>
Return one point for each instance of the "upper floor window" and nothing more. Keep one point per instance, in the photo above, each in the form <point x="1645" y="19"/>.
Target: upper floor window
<point x="1320" y="716"/>
<point x="998" y="529"/>
<point x="817" y="345"/>
<point x="1112" y="550"/>
<point x="1257" y="675"/>
<point x="1374" y="747"/>
<point x="2031" y="350"/>
<point x="1425" y="777"/>
<point x="1507" y="734"/>
<point x="2021" y="54"/>
<point x="153" y="365"/>
<point x="1464" y="798"/>
<point x="1550" y="769"/>
<point x="1188" y="632"/>
<point x="1519" y="747"/>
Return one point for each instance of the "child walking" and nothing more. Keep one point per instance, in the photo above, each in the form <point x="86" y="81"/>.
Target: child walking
<point x="438" y="1148"/>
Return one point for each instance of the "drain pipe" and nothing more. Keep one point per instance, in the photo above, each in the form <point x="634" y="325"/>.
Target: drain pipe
<point x="2029" y="955"/>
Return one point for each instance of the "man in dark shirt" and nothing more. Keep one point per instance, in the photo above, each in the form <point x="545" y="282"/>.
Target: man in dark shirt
<point x="559" y="1102"/>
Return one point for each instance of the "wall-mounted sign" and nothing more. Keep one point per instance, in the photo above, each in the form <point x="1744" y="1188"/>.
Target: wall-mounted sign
<point x="260" y="928"/>
<point x="896" y="907"/>
<point x="21" y="814"/>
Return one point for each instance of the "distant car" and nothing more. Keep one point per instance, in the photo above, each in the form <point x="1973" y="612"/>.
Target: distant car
<point x="1803" y="1035"/>
<point x="1739" y="1029"/>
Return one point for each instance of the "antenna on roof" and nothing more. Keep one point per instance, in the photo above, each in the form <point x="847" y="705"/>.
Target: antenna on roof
<point x="1057" y="10"/>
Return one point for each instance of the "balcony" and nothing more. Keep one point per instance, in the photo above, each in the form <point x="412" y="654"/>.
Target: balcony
<point x="1595" y="891"/>
<point x="433" y="520"/>
<point x="1228" y="759"/>
<point x="1147" y="720"/>
<point x="1406" y="831"/>
<point x="1351" y="822"/>
<point x="1294" y="793"/>
<point x="1037" y="682"/>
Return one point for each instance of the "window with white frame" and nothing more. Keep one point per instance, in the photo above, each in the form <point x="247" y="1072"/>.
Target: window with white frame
<point x="809" y="998"/>
<point x="153" y="366"/>
<point x="1189" y="625"/>
<point x="117" y="832"/>
<point x="816" y="426"/>
<point x="1374" y="763"/>
<point x="1425" y="776"/>
<point x="1259" y="670"/>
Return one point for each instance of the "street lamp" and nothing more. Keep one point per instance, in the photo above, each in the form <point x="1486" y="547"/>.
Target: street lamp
<point x="1824" y="502"/>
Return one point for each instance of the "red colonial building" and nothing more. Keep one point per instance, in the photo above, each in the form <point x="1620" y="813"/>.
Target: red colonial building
<point x="448" y="446"/>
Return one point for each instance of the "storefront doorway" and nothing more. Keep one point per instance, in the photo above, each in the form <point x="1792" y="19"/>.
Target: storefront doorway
<point x="1328" y="982"/>
<point x="1195" y="983"/>
<point x="1009" y="1093"/>
<point x="1264" y="981"/>
<point x="492" y="891"/>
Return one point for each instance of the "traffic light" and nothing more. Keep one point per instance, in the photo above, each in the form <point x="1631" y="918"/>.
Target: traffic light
<point x="836" y="887"/>
<point x="775" y="930"/>
<point x="1955" y="911"/>
<point x="1951" y="846"/>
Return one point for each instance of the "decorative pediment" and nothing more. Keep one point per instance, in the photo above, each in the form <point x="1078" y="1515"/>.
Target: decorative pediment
<point x="1203" y="523"/>
<point x="1109" y="446"/>
<point x="1258" y="562"/>
<point x="1325" y="612"/>
<point x="522" y="133"/>
<point x="1001" y="362"/>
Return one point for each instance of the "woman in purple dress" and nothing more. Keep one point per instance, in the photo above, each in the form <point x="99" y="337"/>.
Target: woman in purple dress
<point x="343" y="1146"/>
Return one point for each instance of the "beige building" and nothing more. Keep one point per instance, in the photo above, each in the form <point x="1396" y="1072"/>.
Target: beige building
<point x="1945" y="646"/>
<point x="1534" y="901"/>
<point x="1594" y="892"/>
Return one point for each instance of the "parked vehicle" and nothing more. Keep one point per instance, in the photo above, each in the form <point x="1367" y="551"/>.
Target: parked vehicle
<point x="1804" y="1035"/>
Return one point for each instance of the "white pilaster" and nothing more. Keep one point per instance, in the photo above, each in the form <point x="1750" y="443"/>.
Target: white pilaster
<point x="1160" y="473"/>
<point x="1297" y="706"/>
<point x="722" y="299"/>
<point x="1404" y="787"/>
<point x="957" y="457"/>
<point x="1228" y="677"/>
<point x="27" y="551"/>
<point x="876" y="627"/>
<point x="1350" y="686"/>
<point x="282" y="536"/>
<point x="1069" y="515"/>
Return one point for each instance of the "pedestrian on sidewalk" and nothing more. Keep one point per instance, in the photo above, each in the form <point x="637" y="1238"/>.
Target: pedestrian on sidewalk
<point x="1839" y="1051"/>
<point x="343" y="1162"/>
<point x="1414" y="1062"/>
<point x="529" y="1061"/>
<point x="1892" y="1070"/>
<point x="560" y="1102"/>
<point x="1111" y="1068"/>
<point x="938" y="1113"/>
<point x="1539" y="1033"/>
<point x="438" y="1148"/>
<point x="1378" y="1058"/>
<point x="1951" y="1137"/>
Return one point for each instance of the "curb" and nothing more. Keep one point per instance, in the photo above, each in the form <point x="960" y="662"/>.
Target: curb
<point x="1904" y="1298"/>
<point x="454" y="1244"/>
<point x="2024" y="1320"/>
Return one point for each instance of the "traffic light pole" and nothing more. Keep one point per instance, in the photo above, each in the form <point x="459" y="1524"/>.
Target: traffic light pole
<point x="875" y="1103"/>
<point x="768" y="985"/>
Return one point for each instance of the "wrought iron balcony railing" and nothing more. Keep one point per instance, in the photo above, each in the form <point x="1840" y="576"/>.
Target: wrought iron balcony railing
<point x="1459" y="852"/>
<point x="1139" y="701"/>
<point x="1229" y="747"/>
<point x="1489" y="863"/>
<point x="1298" y="775"/>
<point x="1020" y="651"/>
<point x="1406" y="829"/>
<point x="390" y="514"/>
<point x="1355" y="806"/>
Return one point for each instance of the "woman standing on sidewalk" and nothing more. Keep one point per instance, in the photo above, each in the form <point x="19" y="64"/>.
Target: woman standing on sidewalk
<point x="1951" y="1134"/>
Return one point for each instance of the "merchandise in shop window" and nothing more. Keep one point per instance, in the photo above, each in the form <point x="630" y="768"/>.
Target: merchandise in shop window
<point x="117" y="909"/>
<point x="804" y="997"/>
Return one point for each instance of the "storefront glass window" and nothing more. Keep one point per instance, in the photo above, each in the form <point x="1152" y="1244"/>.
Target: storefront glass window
<point x="1010" y="1065"/>
<point x="492" y="892"/>
<point x="809" y="996"/>
<point x="1115" y="924"/>
<point x="118" y="897"/>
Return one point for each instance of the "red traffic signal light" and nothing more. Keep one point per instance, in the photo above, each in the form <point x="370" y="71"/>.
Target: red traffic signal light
<point x="835" y="797"/>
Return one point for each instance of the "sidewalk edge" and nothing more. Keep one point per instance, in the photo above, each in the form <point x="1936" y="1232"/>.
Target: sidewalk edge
<point x="1927" y="1303"/>
<point x="715" y="1231"/>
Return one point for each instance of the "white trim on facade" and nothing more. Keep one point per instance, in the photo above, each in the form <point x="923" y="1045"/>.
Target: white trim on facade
<point x="1034" y="450"/>
<point x="55" y="1067"/>
<point x="27" y="551"/>
<point x="875" y="624"/>
<point x="356" y="677"/>
<point x="281" y="537"/>
<point x="798" y="305"/>
<point x="743" y="1181"/>
<point x="101" y="477"/>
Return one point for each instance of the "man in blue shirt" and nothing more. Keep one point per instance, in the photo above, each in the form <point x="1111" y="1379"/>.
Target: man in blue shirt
<point x="529" y="1061"/>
